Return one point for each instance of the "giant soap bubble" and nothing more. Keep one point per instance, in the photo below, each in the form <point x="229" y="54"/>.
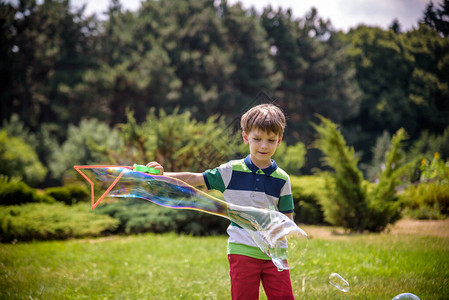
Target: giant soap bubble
<point x="273" y="232"/>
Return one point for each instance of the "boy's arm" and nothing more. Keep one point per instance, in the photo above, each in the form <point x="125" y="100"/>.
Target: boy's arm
<point x="290" y="216"/>
<point x="194" y="179"/>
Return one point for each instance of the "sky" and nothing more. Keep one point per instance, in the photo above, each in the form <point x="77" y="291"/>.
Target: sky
<point x="343" y="14"/>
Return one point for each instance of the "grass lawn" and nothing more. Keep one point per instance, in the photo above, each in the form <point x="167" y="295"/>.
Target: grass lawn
<point x="412" y="257"/>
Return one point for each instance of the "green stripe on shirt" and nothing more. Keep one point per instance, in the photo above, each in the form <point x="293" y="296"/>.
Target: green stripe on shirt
<point x="215" y="180"/>
<point x="239" y="165"/>
<point x="241" y="249"/>
<point x="281" y="174"/>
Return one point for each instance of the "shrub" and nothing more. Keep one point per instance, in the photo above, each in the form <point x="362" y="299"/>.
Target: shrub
<point x="384" y="205"/>
<point x="43" y="141"/>
<point x="437" y="170"/>
<point x="348" y="201"/>
<point x="42" y="221"/>
<point x="14" y="191"/>
<point x="345" y="203"/>
<point x="177" y="141"/>
<point x="307" y="192"/>
<point x="18" y="159"/>
<point x="291" y="158"/>
<point x="426" y="200"/>
<point x="428" y="144"/>
<point x="139" y="216"/>
<point x="86" y="144"/>
<point x="68" y="194"/>
<point x="430" y="198"/>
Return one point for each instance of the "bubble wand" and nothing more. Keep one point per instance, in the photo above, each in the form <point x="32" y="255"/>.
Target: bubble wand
<point x="273" y="232"/>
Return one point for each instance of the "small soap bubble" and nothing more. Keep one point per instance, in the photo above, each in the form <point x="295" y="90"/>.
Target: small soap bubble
<point x="338" y="281"/>
<point x="406" y="296"/>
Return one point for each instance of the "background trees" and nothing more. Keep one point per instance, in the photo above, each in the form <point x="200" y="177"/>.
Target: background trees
<point x="436" y="17"/>
<point x="402" y="81"/>
<point x="60" y="67"/>
<point x="46" y="47"/>
<point x="171" y="80"/>
<point x="207" y="58"/>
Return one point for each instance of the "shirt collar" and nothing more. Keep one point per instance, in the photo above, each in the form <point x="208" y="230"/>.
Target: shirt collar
<point x="268" y="171"/>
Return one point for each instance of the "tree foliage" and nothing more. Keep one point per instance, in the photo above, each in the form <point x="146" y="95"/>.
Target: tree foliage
<point x="168" y="81"/>
<point x="46" y="45"/>
<point x="315" y="77"/>
<point x="384" y="207"/>
<point x="346" y="203"/>
<point x="61" y="66"/>
<point x="85" y="144"/>
<point x="373" y="168"/>
<point x="291" y="158"/>
<point x="438" y="17"/>
<point x="349" y="201"/>
<point x="18" y="159"/>
<point x="177" y="141"/>
<point x="403" y="83"/>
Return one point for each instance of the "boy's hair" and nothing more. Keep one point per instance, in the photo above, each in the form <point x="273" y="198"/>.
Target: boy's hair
<point x="266" y="117"/>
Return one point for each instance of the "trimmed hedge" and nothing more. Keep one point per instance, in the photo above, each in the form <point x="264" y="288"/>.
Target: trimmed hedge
<point x="13" y="192"/>
<point x="426" y="200"/>
<point x="42" y="221"/>
<point x="307" y="193"/>
<point x="69" y="194"/>
<point x="139" y="216"/>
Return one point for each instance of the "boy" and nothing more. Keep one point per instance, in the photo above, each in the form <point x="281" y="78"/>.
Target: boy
<point x="254" y="181"/>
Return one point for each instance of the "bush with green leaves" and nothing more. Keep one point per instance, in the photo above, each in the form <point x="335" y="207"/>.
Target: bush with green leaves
<point x="69" y="194"/>
<point x="428" y="144"/>
<point x="437" y="170"/>
<point x="139" y="216"/>
<point x="42" y="221"/>
<point x="307" y="193"/>
<point x="85" y="144"/>
<point x="428" y="200"/>
<point x="384" y="205"/>
<point x="43" y="140"/>
<point x="349" y="202"/>
<point x="290" y="158"/>
<point x="14" y="191"/>
<point x="177" y="141"/>
<point x="18" y="159"/>
<point x="373" y="168"/>
<point x="423" y="149"/>
<point x="345" y="203"/>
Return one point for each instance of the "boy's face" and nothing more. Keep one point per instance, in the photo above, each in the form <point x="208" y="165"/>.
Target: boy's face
<point x="262" y="146"/>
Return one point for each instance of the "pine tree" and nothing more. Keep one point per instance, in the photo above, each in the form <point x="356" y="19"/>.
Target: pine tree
<point x="346" y="203"/>
<point x="384" y="207"/>
<point x="349" y="202"/>
<point x="438" y="18"/>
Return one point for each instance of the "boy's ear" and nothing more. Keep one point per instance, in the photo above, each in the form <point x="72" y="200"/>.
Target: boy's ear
<point x="245" y="138"/>
<point x="280" y="140"/>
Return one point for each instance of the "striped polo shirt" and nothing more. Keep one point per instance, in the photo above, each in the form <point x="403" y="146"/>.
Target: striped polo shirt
<point x="243" y="183"/>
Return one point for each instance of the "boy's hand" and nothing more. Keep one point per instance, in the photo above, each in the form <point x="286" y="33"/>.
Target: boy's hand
<point x="194" y="179"/>
<point x="156" y="166"/>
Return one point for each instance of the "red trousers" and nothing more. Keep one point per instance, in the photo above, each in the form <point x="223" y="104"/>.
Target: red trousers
<point x="247" y="273"/>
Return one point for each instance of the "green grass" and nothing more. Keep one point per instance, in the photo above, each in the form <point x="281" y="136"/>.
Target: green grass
<point x="168" y="266"/>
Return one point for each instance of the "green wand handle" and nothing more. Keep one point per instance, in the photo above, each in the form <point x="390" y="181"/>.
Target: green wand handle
<point x="145" y="169"/>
